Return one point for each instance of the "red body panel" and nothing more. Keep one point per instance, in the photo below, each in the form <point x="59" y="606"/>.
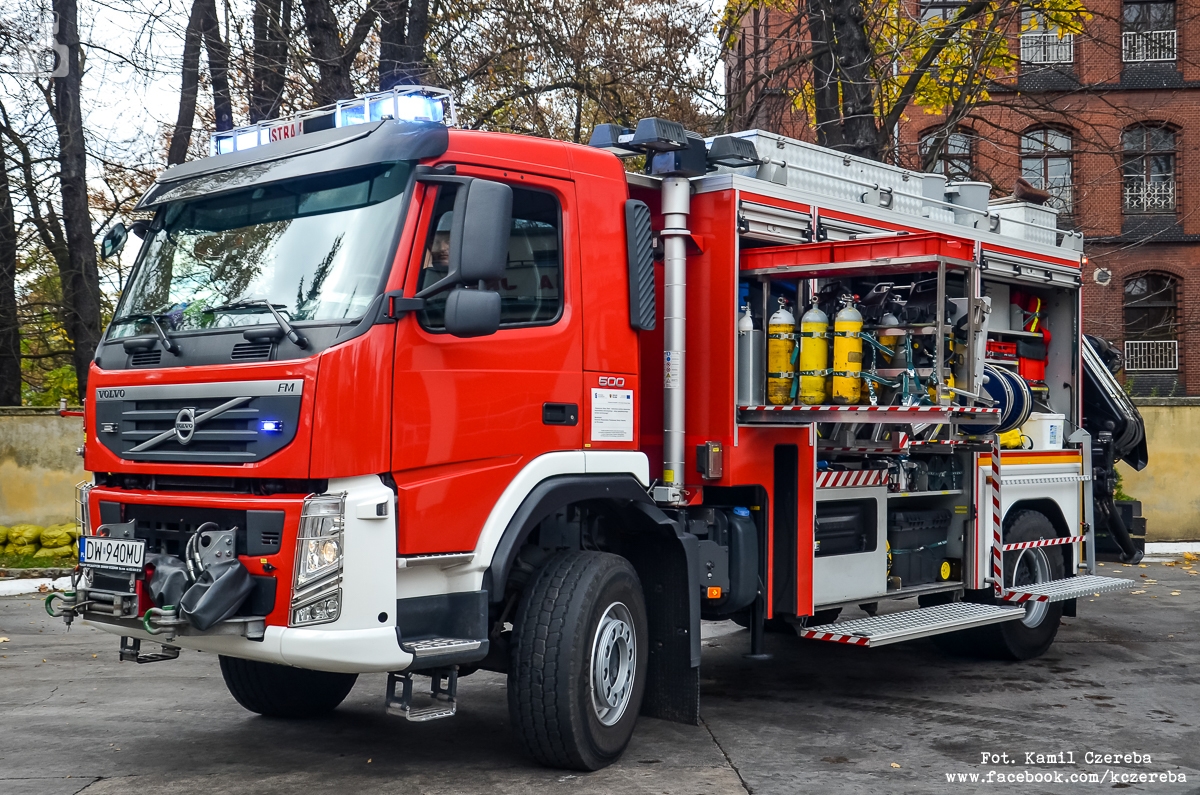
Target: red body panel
<point x="283" y="561"/>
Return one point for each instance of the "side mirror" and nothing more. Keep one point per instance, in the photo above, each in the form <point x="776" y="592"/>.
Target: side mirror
<point x="472" y="313"/>
<point x="114" y="241"/>
<point x="478" y="234"/>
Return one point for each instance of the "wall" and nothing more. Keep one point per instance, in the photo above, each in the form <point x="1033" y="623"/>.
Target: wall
<point x="1171" y="506"/>
<point x="38" y="465"/>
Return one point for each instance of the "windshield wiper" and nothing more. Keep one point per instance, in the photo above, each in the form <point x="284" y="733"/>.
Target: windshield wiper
<point x="298" y="339"/>
<point x="167" y="342"/>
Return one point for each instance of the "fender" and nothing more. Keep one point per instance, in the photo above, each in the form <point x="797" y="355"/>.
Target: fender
<point x="666" y="560"/>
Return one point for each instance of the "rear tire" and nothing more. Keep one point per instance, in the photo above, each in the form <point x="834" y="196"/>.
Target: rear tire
<point x="280" y="691"/>
<point x="1032" y="635"/>
<point x="579" y="660"/>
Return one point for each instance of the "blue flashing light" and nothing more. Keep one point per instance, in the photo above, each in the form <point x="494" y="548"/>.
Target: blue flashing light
<point x="270" y="426"/>
<point x="403" y="103"/>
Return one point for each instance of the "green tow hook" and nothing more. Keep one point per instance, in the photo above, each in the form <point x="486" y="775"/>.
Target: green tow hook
<point x="67" y="596"/>
<point x="154" y="612"/>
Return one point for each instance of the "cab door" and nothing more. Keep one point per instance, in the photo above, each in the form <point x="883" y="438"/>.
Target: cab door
<point x="470" y="413"/>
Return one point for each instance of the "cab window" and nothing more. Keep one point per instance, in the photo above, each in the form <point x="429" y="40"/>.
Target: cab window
<point x="531" y="290"/>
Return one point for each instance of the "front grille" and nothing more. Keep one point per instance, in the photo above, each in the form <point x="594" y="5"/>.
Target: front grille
<point x="146" y="358"/>
<point x="199" y="423"/>
<point x="251" y="352"/>
<point x="265" y="487"/>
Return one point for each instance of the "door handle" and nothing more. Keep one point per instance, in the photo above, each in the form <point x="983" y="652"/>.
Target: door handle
<point x="560" y="414"/>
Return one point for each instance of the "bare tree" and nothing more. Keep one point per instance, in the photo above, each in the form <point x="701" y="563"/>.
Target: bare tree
<point x="403" y="30"/>
<point x="10" y="340"/>
<point x="80" y="278"/>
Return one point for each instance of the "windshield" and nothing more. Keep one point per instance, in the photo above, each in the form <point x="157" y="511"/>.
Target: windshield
<point x="315" y="248"/>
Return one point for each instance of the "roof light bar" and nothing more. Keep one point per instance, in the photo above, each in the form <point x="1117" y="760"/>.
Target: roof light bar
<point x="403" y="103"/>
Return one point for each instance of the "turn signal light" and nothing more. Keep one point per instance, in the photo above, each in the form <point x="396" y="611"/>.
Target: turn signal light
<point x="714" y="592"/>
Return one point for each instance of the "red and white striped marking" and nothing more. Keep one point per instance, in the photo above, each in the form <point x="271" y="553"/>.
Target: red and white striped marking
<point x="832" y="637"/>
<point x="973" y="410"/>
<point x="898" y="443"/>
<point x="1044" y="542"/>
<point x="856" y="477"/>
<point x="1017" y="597"/>
<point x="997" y="517"/>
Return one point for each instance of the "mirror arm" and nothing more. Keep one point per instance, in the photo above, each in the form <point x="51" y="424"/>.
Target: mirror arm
<point x="444" y="283"/>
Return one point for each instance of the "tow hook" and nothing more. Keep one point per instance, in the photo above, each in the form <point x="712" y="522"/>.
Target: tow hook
<point x="131" y="652"/>
<point x="67" y="610"/>
<point x="163" y="621"/>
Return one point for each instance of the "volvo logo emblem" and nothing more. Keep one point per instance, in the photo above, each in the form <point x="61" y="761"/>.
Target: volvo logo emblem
<point x="185" y="425"/>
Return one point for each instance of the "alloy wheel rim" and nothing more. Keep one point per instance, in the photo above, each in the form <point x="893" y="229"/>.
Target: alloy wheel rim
<point x="1032" y="568"/>
<point x="613" y="664"/>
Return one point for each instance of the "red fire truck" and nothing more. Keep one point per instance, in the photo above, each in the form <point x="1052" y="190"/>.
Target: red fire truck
<point x="387" y="396"/>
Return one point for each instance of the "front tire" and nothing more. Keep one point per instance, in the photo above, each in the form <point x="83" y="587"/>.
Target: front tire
<point x="280" y="691"/>
<point x="579" y="658"/>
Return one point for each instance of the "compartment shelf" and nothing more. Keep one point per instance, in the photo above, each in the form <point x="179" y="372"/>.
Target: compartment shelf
<point x="1003" y="332"/>
<point x="892" y="415"/>
<point x="947" y="493"/>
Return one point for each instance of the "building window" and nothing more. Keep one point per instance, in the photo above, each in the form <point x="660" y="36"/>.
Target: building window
<point x="1150" y="323"/>
<point x="944" y="10"/>
<point x="1148" y="31"/>
<point x="1046" y="164"/>
<point x="1043" y="43"/>
<point x="1149" y="169"/>
<point x="953" y="156"/>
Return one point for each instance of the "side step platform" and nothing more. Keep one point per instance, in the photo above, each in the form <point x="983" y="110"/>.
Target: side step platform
<point x="895" y="627"/>
<point x="1064" y="589"/>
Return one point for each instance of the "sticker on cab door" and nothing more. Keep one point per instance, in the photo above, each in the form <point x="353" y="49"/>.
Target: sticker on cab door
<point x="612" y="415"/>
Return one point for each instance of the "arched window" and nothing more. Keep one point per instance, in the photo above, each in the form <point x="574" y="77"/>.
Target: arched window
<point x="1150" y="307"/>
<point x="1150" y="323"/>
<point x="1149" y="168"/>
<point x="954" y="155"/>
<point x="1046" y="164"/>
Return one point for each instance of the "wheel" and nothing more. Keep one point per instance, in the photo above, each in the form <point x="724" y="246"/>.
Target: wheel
<point x="578" y="667"/>
<point x="280" y="691"/>
<point x="1033" y="634"/>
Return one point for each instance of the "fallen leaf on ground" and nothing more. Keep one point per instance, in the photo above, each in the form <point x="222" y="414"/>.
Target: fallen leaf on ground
<point x="1137" y="591"/>
<point x="895" y="765"/>
<point x="1190" y="556"/>
<point x="1142" y="565"/>
<point x="3" y="640"/>
<point x="1176" y="593"/>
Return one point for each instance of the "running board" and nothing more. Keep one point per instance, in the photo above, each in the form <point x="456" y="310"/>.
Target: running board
<point x="1062" y="590"/>
<point x="438" y="647"/>
<point x="895" y="627"/>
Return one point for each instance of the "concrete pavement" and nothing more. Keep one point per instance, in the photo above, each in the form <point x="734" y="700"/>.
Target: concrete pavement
<point x="1121" y="679"/>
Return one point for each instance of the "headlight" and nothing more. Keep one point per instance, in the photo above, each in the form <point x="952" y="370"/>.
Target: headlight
<point x="316" y="589"/>
<point x="320" y="539"/>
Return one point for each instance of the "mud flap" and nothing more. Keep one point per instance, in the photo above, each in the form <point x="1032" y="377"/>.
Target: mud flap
<point x="665" y="562"/>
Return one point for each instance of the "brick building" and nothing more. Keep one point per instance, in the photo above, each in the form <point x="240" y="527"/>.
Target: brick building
<point x="1109" y="122"/>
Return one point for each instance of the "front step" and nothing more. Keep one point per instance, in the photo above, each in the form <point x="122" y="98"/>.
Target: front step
<point x="440" y="702"/>
<point x="1062" y="590"/>
<point x="895" y="627"/>
<point x="440" y="647"/>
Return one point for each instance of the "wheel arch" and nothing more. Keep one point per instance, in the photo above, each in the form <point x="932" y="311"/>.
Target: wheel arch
<point x="1054" y="513"/>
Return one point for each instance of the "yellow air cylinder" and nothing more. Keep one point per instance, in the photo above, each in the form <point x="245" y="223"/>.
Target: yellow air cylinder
<point x="781" y="343"/>
<point x="814" y="356"/>
<point x="893" y="340"/>
<point x="847" y="354"/>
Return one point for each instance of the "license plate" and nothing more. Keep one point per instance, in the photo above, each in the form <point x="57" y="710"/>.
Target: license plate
<point x="112" y="553"/>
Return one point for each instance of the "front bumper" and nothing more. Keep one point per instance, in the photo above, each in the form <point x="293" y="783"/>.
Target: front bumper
<point x="351" y="651"/>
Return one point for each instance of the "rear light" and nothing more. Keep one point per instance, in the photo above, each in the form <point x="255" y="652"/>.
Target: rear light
<point x="316" y="586"/>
